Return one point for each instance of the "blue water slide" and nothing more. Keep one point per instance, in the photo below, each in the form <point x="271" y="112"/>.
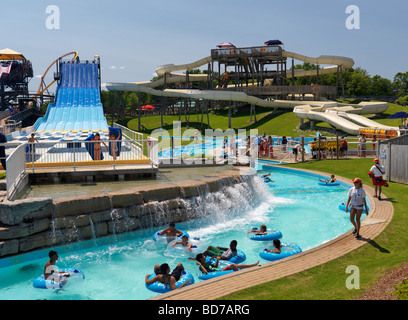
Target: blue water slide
<point x="77" y="103"/>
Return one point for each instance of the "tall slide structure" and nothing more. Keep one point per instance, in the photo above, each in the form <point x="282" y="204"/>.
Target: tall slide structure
<point x="342" y="116"/>
<point x="77" y="105"/>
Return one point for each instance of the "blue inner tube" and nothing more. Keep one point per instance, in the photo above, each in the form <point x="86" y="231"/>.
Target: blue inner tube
<point x="272" y="235"/>
<point x="214" y="274"/>
<point x="329" y="184"/>
<point x="116" y="132"/>
<point x="158" y="237"/>
<point x="57" y="282"/>
<point x="342" y="207"/>
<point x="287" y="250"/>
<point x="238" y="258"/>
<point x="180" y="251"/>
<point x="163" y="288"/>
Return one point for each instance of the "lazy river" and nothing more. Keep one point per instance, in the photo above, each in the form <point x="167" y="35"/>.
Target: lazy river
<point x="306" y="213"/>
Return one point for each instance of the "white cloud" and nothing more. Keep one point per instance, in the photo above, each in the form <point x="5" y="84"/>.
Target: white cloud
<point x="38" y="76"/>
<point x="113" y="68"/>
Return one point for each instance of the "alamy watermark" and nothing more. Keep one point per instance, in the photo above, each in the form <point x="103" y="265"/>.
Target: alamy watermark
<point x="353" y="20"/>
<point x="53" y="17"/>
<point x="215" y="146"/>
<point x="353" y="281"/>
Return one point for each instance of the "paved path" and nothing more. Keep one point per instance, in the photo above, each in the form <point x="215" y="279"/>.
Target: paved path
<point x="381" y="213"/>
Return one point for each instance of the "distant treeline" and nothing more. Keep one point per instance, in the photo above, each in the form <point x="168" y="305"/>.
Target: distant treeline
<point x="357" y="82"/>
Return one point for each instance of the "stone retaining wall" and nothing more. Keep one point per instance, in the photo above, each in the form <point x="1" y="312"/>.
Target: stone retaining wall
<point x="32" y="224"/>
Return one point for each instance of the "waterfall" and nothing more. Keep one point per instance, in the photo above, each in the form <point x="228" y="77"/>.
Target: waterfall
<point x="92" y="229"/>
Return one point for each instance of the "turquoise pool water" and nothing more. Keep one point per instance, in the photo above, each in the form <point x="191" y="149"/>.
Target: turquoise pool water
<point x="205" y="146"/>
<point x="307" y="214"/>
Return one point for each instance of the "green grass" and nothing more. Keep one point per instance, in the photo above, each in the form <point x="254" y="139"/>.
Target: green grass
<point x="327" y="281"/>
<point x="279" y="123"/>
<point x="282" y="123"/>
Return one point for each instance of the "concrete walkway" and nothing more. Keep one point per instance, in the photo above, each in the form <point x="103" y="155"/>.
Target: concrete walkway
<point x="381" y="213"/>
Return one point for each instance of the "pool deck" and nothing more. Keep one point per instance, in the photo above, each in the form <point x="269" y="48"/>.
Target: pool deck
<point x="381" y="213"/>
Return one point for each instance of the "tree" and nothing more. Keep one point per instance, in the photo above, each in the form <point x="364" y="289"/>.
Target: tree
<point x="380" y="86"/>
<point x="400" y="83"/>
<point x="357" y="82"/>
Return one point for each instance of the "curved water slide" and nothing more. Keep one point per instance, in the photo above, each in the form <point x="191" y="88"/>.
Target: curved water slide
<point x="307" y="112"/>
<point x="333" y="61"/>
<point x="172" y="77"/>
<point x="203" y="94"/>
<point x="347" y="119"/>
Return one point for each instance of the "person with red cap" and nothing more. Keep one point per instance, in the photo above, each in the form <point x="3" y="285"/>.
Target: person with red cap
<point x="357" y="202"/>
<point x="376" y="173"/>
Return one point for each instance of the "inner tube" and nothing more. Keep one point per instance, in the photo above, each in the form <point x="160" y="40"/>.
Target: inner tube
<point x="342" y="207"/>
<point x="214" y="274"/>
<point x="163" y="288"/>
<point x="115" y="132"/>
<point x="180" y="251"/>
<point x="158" y="239"/>
<point x="90" y="147"/>
<point x="238" y="258"/>
<point x="57" y="282"/>
<point x="329" y="184"/>
<point x="287" y="250"/>
<point x="272" y="235"/>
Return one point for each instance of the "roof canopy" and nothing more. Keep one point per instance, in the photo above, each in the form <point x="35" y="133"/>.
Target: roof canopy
<point x="225" y="45"/>
<point x="8" y="54"/>
<point x="273" y="42"/>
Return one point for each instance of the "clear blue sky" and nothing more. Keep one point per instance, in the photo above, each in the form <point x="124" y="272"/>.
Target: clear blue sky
<point x="133" y="37"/>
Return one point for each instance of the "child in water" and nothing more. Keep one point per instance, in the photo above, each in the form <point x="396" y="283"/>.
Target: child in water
<point x="331" y="180"/>
<point x="262" y="230"/>
<point x="184" y="242"/>
<point x="277" y="245"/>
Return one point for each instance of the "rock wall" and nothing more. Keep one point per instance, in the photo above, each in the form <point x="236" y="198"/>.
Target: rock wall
<point x="32" y="224"/>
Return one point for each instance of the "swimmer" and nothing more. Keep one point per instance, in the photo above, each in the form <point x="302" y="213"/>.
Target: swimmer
<point x="206" y="267"/>
<point x="163" y="275"/>
<point x="50" y="270"/>
<point x="277" y="245"/>
<point x="266" y="177"/>
<point x="114" y="145"/>
<point x="223" y="253"/>
<point x="171" y="232"/>
<point x="261" y="231"/>
<point x="331" y="180"/>
<point x="184" y="242"/>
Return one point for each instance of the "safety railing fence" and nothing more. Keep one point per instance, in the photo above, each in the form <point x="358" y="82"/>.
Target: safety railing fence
<point x="153" y="150"/>
<point x="16" y="169"/>
<point x="327" y="148"/>
<point x="113" y="154"/>
<point x="10" y="127"/>
<point x="80" y="154"/>
<point x="128" y="133"/>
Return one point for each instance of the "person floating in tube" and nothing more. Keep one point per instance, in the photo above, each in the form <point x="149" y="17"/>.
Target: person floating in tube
<point x="206" y="267"/>
<point x="266" y="177"/>
<point x="277" y="247"/>
<point x="262" y="230"/>
<point x="184" y="242"/>
<point x="164" y="276"/>
<point x="331" y="180"/>
<point x="171" y="232"/>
